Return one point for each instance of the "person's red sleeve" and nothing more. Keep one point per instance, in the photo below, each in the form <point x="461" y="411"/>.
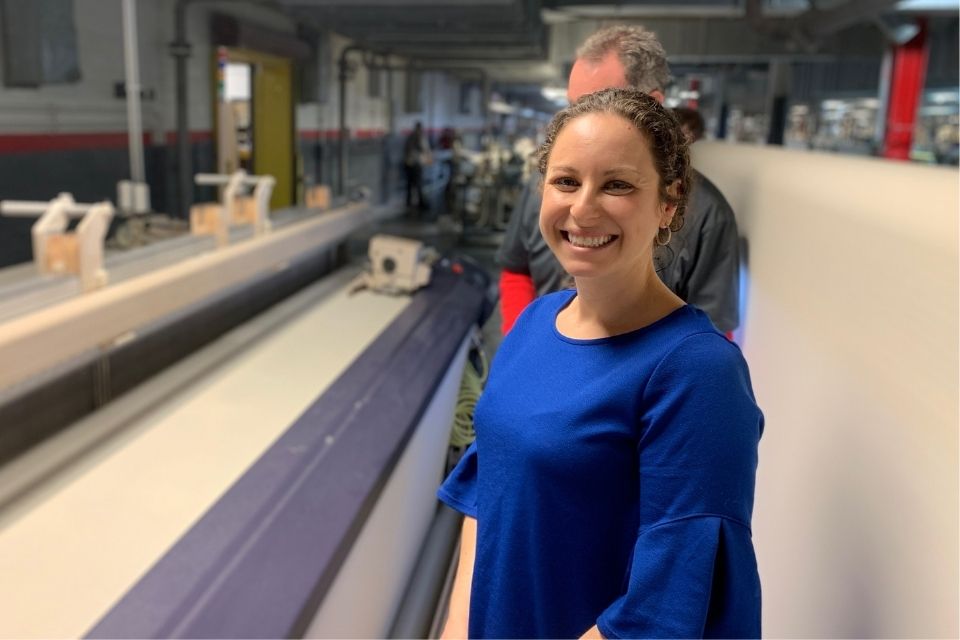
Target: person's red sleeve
<point x="516" y="292"/>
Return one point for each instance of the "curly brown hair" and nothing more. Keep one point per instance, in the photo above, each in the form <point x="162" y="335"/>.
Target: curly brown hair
<point x="660" y="128"/>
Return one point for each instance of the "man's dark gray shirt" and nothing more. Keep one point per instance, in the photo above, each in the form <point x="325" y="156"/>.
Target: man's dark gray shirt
<point x="700" y="264"/>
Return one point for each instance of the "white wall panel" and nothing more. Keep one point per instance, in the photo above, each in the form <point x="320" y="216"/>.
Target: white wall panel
<point x="89" y="105"/>
<point x="84" y="106"/>
<point x="851" y="332"/>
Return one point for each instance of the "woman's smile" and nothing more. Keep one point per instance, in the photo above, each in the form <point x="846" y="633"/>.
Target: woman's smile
<point x="589" y="242"/>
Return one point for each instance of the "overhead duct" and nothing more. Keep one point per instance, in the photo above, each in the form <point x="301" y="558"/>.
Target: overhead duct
<point x="810" y="28"/>
<point x="466" y="30"/>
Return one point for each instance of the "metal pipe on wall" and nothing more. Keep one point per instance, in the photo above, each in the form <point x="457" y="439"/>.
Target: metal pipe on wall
<point x="389" y="165"/>
<point x="180" y="50"/>
<point x="132" y="69"/>
<point x="343" y="140"/>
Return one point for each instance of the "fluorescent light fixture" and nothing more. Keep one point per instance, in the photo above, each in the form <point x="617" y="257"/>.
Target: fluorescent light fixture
<point x="499" y="106"/>
<point x="554" y="93"/>
<point x="943" y="97"/>
<point x="926" y="5"/>
<point x="572" y="12"/>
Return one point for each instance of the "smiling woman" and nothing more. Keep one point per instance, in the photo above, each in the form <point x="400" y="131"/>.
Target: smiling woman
<point x="610" y="489"/>
<point x="616" y="176"/>
<point x="601" y="210"/>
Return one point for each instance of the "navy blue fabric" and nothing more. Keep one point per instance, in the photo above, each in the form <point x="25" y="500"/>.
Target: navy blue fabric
<point x="612" y="481"/>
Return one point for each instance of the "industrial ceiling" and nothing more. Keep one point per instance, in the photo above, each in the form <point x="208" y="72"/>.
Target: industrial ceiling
<point x="531" y="41"/>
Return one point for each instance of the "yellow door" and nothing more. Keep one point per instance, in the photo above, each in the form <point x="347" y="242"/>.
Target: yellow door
<point x="272" y="140"/>
<point x="273" y="126"/>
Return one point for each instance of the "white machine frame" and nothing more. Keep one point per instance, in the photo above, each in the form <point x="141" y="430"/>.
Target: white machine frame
<point x="229" y="211"/>
<point x="56" y="251"/>
<point x="36" y="342"/>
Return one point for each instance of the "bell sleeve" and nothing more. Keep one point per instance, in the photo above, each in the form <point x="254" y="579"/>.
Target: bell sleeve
<point x="693" y="572"/>
<point x="459" y="490"/>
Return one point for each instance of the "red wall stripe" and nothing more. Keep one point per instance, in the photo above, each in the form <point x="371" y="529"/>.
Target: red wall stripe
<point x="38" y="142"/>
<point x="195" y="137"/>
<point x="334" y="134"/>
<point x="32" y="142"/>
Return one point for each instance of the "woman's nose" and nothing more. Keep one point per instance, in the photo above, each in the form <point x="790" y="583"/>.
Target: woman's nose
<point x="585" y="207"/>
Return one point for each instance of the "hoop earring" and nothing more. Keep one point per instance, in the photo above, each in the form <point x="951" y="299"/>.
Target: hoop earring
<point x="663" y="238"/>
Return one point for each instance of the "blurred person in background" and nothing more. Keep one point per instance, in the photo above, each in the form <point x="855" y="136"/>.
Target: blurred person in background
<point x="416" y="155"/>
<point x="946" y="144"/>
<point x="691" y="122"/>
<point x="701" y="264"/>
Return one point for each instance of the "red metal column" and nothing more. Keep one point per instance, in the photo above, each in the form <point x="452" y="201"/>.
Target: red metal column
<point x="906" y="88"/>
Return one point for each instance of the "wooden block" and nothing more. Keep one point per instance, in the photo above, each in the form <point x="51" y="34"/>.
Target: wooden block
<point x="62" y="254"/>
<point x="245" y="210"/>
<point x="318" y="197"/>
<point x="204" y="218"/>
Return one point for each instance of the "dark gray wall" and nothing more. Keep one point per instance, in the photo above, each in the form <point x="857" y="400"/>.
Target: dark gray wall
<point x="373" y="163"/>
<point x="90" y="175"/>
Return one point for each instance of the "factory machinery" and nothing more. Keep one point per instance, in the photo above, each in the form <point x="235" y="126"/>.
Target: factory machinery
<point x="228" y="433"/>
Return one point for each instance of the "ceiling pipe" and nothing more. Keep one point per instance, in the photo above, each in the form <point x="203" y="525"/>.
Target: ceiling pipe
<point x="820" y="24"/>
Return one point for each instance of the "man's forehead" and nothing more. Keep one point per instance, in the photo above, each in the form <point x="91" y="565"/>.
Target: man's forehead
<point x="588" y="76"/>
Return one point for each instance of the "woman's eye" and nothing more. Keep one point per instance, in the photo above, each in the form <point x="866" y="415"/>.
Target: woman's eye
<point x="618" y="186"/>
<point x="564" y="183"/>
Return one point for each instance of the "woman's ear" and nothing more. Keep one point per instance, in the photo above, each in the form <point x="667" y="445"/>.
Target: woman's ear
<point x="670" y="208"/>
<point x="666" y="217"/>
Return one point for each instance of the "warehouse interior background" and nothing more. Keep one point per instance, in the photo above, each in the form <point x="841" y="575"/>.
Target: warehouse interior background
<point x="832" y="127"/>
